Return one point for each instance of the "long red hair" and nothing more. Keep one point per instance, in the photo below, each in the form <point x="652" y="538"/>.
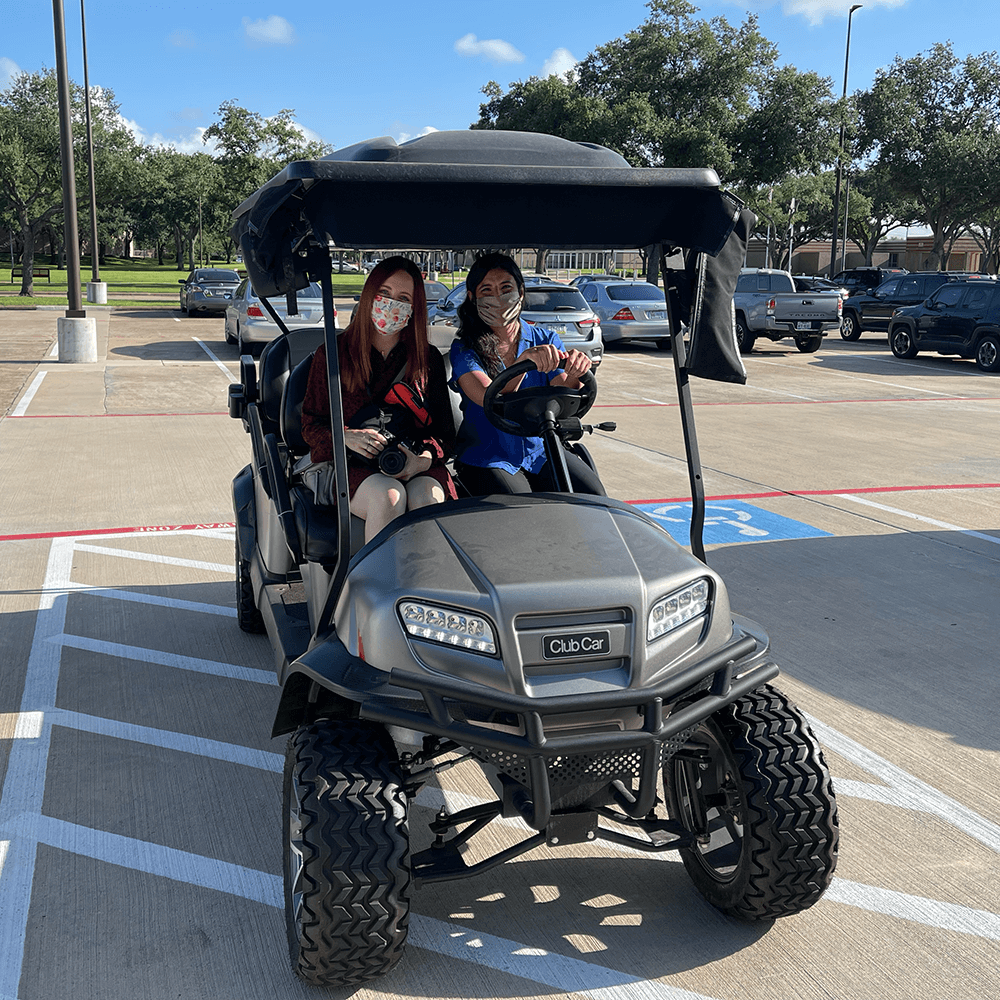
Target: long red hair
<point x="360" y="335"/>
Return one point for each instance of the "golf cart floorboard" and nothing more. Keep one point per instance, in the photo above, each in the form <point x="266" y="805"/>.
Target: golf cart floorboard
<point x="286" y="616"/>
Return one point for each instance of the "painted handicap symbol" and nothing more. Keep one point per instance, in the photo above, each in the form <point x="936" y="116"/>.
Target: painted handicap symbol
<point x="716" y="515"/>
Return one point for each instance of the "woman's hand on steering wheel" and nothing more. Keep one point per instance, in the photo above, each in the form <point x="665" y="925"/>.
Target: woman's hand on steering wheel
<point x="547" y="357"/>
<point x="575" y="364"/>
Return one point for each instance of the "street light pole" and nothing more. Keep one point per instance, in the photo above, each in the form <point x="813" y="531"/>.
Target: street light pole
<point x="840" y="150"/>
<point x="95" y="265"/>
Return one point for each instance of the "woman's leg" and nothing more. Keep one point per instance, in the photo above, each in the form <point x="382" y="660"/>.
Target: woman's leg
<point x="481" y="482"/>
<point x="582" y="477"/>
<point x="378" y="500"/>
<point x="422" y="491"/>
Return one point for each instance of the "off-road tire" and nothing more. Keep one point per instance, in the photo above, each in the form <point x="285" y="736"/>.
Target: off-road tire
<point x="901" y="342"/>
<point x="850" y="326"/>
<point x="988" y="353"/>
<point x="770" y="807"/>
<point x="809" y="345"/>
<point x="346" y="850"/>
<point x="247" y="615"/>
<point x="744" y="338"/>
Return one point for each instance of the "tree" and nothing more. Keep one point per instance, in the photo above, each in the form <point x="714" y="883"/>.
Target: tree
<point x="876" y="208"/>
<point x="30" y="159"/>
<point x="926" y="119"/>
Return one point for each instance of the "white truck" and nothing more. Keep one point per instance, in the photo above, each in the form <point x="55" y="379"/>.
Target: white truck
<point x="767" y="305"/>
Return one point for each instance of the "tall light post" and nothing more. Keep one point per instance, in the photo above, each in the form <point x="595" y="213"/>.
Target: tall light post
<point x="97" y="291"/>
<point x="840" y="150"/>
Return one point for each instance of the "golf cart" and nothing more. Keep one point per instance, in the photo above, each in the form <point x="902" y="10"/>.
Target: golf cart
<point x="563" y="644"/>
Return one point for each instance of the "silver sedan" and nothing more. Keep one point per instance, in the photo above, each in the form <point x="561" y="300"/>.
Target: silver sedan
<point x="629" y="310"/>
<point x="249" y="324"/>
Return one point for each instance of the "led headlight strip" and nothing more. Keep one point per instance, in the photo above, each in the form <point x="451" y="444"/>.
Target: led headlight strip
<point x="447" y="626"/>
<point x="675" y="609"/>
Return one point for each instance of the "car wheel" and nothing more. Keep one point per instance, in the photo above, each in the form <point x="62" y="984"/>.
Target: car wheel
<point x="988" y="353"/>
<point x="901" y="342"/>
<point x="850" y="326"/>
<point x="247" y="615"/>
<point x="230" y="339"/>
<point x="808" y="345"/>
<point x="243" y="346"/>
<point x="744" y="338"/>
<point x="346" y="848"/>
<point x="756" y="793"/>
<point x="663" y="343"/>
<point x="184" y="307"/>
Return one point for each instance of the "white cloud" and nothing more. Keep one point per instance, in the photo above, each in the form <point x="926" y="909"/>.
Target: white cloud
<point x="559" y="63"/>
<point x="815" y="11"/>
<point x="8" y="70"/>
<point x="492" y="49"/>
<point x="193" y="142"/>
<point x="273" y="30"/>
<point x="405" y="136"/>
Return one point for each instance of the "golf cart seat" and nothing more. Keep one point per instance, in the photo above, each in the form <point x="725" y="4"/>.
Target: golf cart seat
<point x="277" y="360"/>
<point x="315" y="525"/>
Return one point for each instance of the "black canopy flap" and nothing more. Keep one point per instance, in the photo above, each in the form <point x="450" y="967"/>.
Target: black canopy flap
<point x="474" y="189"/>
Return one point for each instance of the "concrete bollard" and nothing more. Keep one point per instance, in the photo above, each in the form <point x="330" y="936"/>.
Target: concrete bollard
<point x="77" y="339"/>
<point x="97" y="292"/>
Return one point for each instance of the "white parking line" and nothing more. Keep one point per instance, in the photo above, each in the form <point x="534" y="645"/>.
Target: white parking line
<point x="164" y="602"/>
<point x="22" y="406"/>
<point x="104" y="550"/>
<point x="858" y="378"/>
<point x="225" y="371"/>
<point x="918" y="517"/>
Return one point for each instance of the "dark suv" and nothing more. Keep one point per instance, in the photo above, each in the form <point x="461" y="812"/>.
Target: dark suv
<point x="961" y="317"/>
<point x="863" y="279"/>
<point x="871" y="310"/>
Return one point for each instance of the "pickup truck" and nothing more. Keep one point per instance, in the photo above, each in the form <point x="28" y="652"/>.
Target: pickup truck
<point x="767" y="305"/>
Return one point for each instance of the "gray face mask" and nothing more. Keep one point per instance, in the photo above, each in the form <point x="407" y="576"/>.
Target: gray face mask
<point x="499" y="310"/>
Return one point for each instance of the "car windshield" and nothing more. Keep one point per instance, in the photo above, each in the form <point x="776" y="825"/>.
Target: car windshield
<point x="435" y="289"/>
<point x="553" y="300"/>
<point x="642" y="292"/>
<point x="216" y="276"/>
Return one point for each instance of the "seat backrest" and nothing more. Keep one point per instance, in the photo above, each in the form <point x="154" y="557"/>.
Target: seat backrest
<point x="277" y="360"/>
<point x="291" y="407"/>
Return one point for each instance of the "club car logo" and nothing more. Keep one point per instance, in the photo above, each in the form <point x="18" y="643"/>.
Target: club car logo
<point x="556" y="647"/>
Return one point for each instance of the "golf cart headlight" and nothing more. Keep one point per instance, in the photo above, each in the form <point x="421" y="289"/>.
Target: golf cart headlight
<point x="448" y="626"/>
<point x="675" y="609"/>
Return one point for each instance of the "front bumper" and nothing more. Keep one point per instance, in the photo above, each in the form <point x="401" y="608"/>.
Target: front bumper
<point x="634" y="330"/>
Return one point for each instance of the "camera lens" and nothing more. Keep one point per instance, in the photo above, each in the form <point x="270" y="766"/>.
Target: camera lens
<point x="391" y="460"/>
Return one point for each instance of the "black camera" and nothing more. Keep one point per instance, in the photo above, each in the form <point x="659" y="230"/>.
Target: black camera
<point x="391" y="460"/>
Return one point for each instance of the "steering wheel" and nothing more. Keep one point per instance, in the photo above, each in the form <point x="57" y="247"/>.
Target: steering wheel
<point x="524" y="411"/>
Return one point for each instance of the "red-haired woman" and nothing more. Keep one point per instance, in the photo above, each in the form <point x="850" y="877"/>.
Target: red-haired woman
<point x="386" y="366"/>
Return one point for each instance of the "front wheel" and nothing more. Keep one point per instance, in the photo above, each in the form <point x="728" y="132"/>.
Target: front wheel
<point x="744" y="337"/>
<point x="901" y="342"/>
<point x="808" y="345"/>
<point x="248" y="617"/>
<point x="988" y="353"/>
<point x="347" y="857"/>
<point x="850" y="326"/>
<point x="757" y="795"/>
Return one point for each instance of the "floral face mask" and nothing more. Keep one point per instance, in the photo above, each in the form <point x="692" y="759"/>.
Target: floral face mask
<point x="499" y="310"/>
<point x="390" y="315"/>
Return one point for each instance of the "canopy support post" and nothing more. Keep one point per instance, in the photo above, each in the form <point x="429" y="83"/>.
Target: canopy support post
<point x="679" y="351"/>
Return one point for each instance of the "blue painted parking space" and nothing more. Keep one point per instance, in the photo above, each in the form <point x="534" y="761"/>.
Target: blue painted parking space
<point x="729" y="521"/>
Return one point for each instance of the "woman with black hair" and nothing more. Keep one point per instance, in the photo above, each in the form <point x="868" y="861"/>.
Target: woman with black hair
<point x="492" y="337"/>
<point x="386" y="365"/>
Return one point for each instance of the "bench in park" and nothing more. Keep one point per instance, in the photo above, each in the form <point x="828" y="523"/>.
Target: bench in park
<point x="36" y="272"/>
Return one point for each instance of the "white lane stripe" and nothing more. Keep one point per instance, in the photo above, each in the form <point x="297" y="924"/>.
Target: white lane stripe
<point x="163" y="602"/>
<point x="784" y="392"/>
<point x="858" y="378"/>
<point x="648" y="364"/>
<point x="54" y="353"/>
<point x="225" y="371"/>
<point x="24" y="783"/>
<point x="22" y="407"/>
<point x="103" y="550"/>
<point x="931" y="912"/>
<point x="923" y="796"/>
<point x="659" y="402"/>
<point x="155" y="859"/>
<point x="262" y="760"/>
<point x="917" y="517"/>
<point x="164" y="659"/>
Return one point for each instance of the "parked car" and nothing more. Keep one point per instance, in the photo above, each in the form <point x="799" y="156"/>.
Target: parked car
<point x="444" y="312"/>
<point x="345" y="267"/>
<point x="814" y="283"/>
<point x="434" y="291"/>
<point x="864" y="279"/>
<point x="249" y="324"/>
<point x="767" y="305"/>
<point x="208" y="289"/>
<point x="871" y="311"/>
<point x="629" y="310"/>
<point x="961" y="318"/>
<point x="582" y="279"/>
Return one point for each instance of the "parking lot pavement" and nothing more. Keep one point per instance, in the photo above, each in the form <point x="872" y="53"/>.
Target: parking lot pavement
<point x="855" y="517"/>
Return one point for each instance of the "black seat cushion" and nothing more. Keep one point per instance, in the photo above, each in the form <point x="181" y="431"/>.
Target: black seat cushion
<point x="291" y="407"/>
<point x="317" y="528"/>
<point x="277" y="360"/>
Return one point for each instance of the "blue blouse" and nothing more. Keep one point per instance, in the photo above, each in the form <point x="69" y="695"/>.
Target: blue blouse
<point x="479" y="442"/>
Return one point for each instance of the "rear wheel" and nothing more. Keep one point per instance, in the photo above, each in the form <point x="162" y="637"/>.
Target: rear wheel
<point x="760" y="801"/>
<point x="988" y="353"/>
<point x="247" y="615"/>
<point x="663" y="343"/>
<point x="346" y="845"/>
<point x="901" y="342"/>
<point x="850" y="326"/>
<point x="244" y="346"/>
<point x="744" y="338"/>
<point x="809" y="345"/>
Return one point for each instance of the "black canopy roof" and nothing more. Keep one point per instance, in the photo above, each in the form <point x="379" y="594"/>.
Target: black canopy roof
<point x="475" y="189"/>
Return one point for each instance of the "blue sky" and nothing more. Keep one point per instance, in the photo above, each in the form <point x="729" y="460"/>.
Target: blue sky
<point x="356" y="70"/>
